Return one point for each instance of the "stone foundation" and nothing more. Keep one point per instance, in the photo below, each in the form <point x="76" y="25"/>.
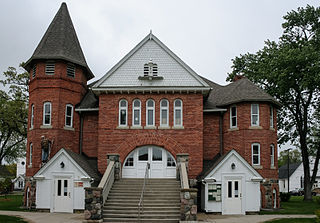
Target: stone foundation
<point x="188" y="209"/>
<point x="93" y="204"/>
<point x="267" y="199"/>
<point x="29" y="201"/>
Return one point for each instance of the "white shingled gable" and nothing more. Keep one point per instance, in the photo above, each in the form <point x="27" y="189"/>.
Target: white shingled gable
<point x="174" y="71"/>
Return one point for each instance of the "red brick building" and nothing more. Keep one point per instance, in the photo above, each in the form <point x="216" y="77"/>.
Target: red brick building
<point x="149" y="107"/>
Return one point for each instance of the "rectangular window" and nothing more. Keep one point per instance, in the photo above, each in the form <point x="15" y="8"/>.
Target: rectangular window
<point x="254" y="115"/>
<point x="143" y="154"/>
<point x="47" y="113"/>
<point x="272" y="155"/>
<point x="69" y="115"/>
<point x="150" y="117"/>
<point x="271" y="116"/>
<point x="34" y="69"/>
<point x="32" y="116"/>
<point x="255" y="154"/>
<point x="156" y="154"/>
<point x="65" y="188"/>
<point x="59" y="188"/>
<point x="50" y="68"/>
<point x="30" y="154"/>
<point x="233" y="117"/>
<point x="236" y="188"/>
<point x="214" y="192"/>
<point x="71" y="70"/>
<point x="229" y="189"/>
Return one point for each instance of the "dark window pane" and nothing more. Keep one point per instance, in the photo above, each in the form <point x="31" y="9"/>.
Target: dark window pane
<point x="143" y="154"/>
<point x="129" y="161"/>
<point x="229" y="189"/>
<point x="164" y="103"/>
<point x="150" y="103"/>
<point x="136" y="117"/>
<point x="255" y="159"/>
<point x="234" y="121"/>
<point x="164" y="117"/>
<point x="156" y="154"/>
<point x="236" y="189"/>
<point x="178" y="117"/>
<point x="177" y="103"/>
<point x="59" y="188"/>
<point x="150" y="117"/>
<point x="123" y="117"/>
<point x="65" y="188"/>
<point x="123" y="103"/>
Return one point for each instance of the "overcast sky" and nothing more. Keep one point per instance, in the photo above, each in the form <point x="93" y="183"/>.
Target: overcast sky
<point x="205" y="34"/>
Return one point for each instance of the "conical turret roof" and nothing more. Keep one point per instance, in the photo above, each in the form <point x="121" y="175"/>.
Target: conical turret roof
<point x="60" y="42"/>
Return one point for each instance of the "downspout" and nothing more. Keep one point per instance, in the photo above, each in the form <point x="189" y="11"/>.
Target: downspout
<point x="80" y="133"/>
<point x="221" y="133"/>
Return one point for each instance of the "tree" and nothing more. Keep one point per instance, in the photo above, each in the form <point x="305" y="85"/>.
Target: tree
<point x="289" y="70"/>
<point x="13" y="115"/>
<point x="294" y="157"/>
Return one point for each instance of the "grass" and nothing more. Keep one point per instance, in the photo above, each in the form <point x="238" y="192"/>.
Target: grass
<point x="12" y="202"/>
<point x="293" y="220"/>
<point x="295" y="205"/>
<point x="11" y="219"/>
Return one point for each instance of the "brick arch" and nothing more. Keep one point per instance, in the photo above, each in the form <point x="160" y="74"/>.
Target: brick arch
<point x="152" y="138"/>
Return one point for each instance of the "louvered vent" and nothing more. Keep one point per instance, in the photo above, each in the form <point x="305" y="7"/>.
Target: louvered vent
<point x="71" y="70"/>
<point x="50" y="68"/>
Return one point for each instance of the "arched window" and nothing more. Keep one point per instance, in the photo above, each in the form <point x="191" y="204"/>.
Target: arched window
<point x="123" y="112"/>
<point x="150" y="112"/>
<point x="178" y="112"/>
<point x="255" y="147"/>
<point x="32" y="116"/>
<point x="272" y="155"/>
<point x="164" y="112"/>
<point x="136" y="112"/>
<point x="69" y="115"/>
<point x="30" y="154"/>
<point x="47" y="113"/>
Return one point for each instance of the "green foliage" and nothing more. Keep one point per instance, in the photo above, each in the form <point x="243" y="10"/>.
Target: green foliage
<point x="285" y="197"/>
<point x="5" y="185"/>
<point x="11" y="219"/>
<point x="294" y="157"/>
<point x="317" y="199"/>
<point x="317" y="213"/>
<point x="292" y="220"/>
<point x="11" y="202"/>
<point x="289" y="70"/>
<point x="13" y="115"/>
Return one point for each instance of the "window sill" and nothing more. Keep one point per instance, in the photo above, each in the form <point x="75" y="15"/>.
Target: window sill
<point x="233" y="129"/>
<point x="177" y="127"/>
<point x="30" y="129"/>
<point x="257" y="167"/>
<point x="136" y="127"/>
<point x="273" y="167"/>
<point x="273" y="129"/>
<point x="123" y="127"/>
<point x="30" y="166"/>
<point x="255" y="127"/>
<point x="150" y="127"/>
<point x="46" y="127"/>
<point x="164" y="127"/>
<point x="68" y="128"/>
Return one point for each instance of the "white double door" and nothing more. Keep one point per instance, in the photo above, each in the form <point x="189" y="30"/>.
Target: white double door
<point x="232" y="196"/>
<point x="162" y="164"/>
<point x="62" y="195"/>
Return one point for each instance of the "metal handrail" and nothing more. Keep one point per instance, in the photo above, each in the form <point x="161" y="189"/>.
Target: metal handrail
<point x="143" y="190"/>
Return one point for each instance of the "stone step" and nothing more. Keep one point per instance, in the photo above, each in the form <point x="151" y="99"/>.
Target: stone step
<point x="145" y="211"/>
<point x="163" y="201"/>
<point x="146" y="197"/>
<point x="146" y="193"/>
<point x="173" y="220"/>
<point x="144" y="215"/>
<point x="146" y="208"/>
<point x="109" y="203"/>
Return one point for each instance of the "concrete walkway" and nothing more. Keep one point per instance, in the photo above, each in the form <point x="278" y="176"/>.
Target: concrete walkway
<point x="41" y="217"/>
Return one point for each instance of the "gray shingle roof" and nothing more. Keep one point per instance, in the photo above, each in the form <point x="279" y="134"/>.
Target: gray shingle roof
<point x="283" y="170"/>
<point x="60" y="42"/>
<point x="89" y="101"/>
<point x="89" y="165"/>
<point x="242" y="90"/>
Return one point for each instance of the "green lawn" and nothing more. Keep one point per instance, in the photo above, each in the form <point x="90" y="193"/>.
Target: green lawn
<point x="295" y="205"/>
<point x="293" y="220"/>
<point x="11" y="219"/>
<point x="11" y="202"/>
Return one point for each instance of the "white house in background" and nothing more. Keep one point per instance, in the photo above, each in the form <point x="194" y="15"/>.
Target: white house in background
<point x="296" y="176"/>
<point x="19" y="181"/>
<point x="230" y="186"/>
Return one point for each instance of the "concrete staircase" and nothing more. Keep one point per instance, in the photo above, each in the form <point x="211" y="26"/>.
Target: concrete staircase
<point x="161" y="201"/>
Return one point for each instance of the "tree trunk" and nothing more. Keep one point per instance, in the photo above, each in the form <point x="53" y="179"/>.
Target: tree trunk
<point x="306" y="170"/>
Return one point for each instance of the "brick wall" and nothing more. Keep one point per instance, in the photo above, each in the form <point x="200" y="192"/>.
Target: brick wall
<point x="123" y="141"/>
<point x="90" y="134"/>
<point x="211" y="136"/>
<point x="59" y="90"/>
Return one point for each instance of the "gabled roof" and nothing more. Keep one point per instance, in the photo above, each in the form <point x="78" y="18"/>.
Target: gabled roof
<point x="283" y="170"/>
<point x="174" y="72"/>
<point x="88" y="103"/>
<point x="60" y="42"/>
<point x="242" y="90"/>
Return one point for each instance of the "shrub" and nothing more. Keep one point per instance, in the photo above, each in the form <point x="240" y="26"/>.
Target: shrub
<point x="317" y="212"/>
<point x="317" y="200"/>
<point x="285" y="197"/>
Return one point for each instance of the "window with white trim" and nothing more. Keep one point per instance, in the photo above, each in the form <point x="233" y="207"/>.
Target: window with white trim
<point x="47" y="113"/>
<point x="164" y="112"/>
<point x="271" y="116"/>
<point x="30" y="154"/>
<point x="123" y="112"/>
<point x="178" y="112"/>
<point x="32" y="116"/>
<point x="136" y="112"/>
<point x="69" y="115"/>
<point x="254" y="114"/>
<point x="50" y="66"/>
<point x="150" y="112"/>
<point x="170" y="161"/>
<point x="272" y="155"/>
<point x="71" y="70"/>
<point x="255" y="147"/>
<point x="233" y="117"/>
<point x="129" y="161"/>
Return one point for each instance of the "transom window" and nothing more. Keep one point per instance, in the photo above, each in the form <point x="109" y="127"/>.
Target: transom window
<point x="255" y="114"/>
<point x="69" y="115"/>
<point x="71" y="70"/>
<point x="32" y="116"/>
<point x="50" y="66"/>
<point x="178" y="112"/>
<point x="150" y="69"/>
<point x="233" y="117"/>
<point x="47" y="113"/>
<point x="271" y="116"/>
<point x="272" y="155"/>
<point x="136" y="113"/>
<point x="123" y="112"/>
<point x="164" y="112"/>
<point x="255" y="153"/>
<point x="150" y="112"/>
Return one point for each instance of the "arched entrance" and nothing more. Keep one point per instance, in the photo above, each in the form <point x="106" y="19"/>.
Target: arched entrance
<point x="162" y="163"/>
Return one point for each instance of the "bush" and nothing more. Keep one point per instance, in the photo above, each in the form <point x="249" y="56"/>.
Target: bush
<point x="317" y="199"/>
<point x="317" y="212"/>
<point x="285" y="197"/>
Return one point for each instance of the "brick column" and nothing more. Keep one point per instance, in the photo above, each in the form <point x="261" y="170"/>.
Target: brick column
<point x="93" y="205"/>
